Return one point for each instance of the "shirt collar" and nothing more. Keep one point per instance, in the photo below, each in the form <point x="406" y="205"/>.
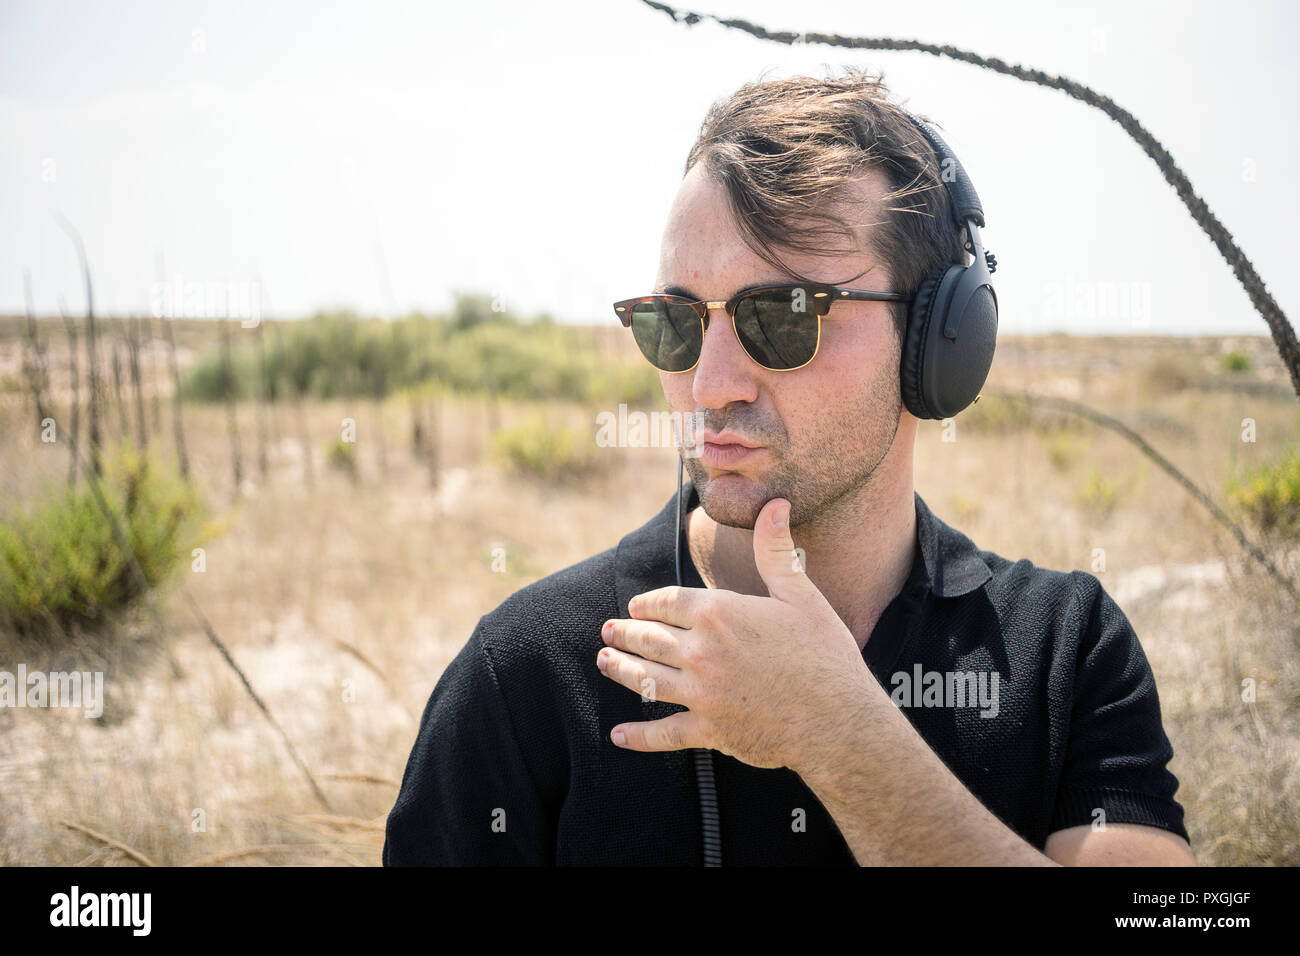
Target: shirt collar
<point x="953" y="564"/>
<point x="950" y="564"/>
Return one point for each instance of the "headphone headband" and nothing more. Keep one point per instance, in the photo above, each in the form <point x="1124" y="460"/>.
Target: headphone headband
<point x="965" y="201"/>
<point x="952" y="323"/>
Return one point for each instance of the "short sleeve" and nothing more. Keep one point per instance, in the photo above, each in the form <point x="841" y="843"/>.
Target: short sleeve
<point x="1117" y="752"/>
<point x="467" y="798"/>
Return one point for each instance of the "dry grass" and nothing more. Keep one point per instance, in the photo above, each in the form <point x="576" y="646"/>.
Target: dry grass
<point x="344" y="601"/>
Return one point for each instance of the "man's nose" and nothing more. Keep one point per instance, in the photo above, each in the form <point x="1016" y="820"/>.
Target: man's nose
<point x="725" y="373"/>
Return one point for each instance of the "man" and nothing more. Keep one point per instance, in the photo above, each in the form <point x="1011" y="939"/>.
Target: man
<point x="873" y="687"/>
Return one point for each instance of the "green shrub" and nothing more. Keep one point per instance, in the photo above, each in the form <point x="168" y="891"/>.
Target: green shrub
<point x="1235" y="361"/>
<point x="474" y="350"/>
<point x="539" y="362"/>
<point x="210" y="381"/>
<point x="1271" y="495"/>
<point x="1099" y="493"/>
<point x="1062" y="448"/>
<point x="342" y="456"/>
<point x="60" y="563"/>
<point x="545" y="451"/>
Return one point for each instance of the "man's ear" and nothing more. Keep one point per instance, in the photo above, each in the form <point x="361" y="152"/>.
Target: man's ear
<point x="900" y="331"/>
<point x="906" y="419"/>
<point x="900" y="328"/>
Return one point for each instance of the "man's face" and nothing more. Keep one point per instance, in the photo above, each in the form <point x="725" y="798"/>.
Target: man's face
<point x="824" y="428"/>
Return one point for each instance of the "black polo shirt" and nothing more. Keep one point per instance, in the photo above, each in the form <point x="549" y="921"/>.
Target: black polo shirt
<point x="513" y="763"/>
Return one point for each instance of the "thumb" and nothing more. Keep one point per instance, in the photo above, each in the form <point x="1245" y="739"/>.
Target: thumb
<point x="779" y="563"/>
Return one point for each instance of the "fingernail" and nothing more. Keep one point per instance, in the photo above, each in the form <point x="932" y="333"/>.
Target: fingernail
<point x="607" y="630"/>
<point x="600" y="660"/>
<point x="780" y="519"/>
<point x="619" y="738"/>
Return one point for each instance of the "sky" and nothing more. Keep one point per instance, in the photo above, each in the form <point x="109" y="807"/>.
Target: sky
<point x="381" y="156"/>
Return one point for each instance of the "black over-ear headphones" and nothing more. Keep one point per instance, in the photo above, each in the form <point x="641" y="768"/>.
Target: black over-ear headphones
<point x="952" y="323"/>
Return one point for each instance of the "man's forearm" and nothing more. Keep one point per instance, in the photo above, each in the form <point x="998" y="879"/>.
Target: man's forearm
<point x="895" y="801"/>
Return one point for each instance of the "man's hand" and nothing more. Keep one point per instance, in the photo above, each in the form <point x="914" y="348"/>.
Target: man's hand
<point x="764" y="678"/>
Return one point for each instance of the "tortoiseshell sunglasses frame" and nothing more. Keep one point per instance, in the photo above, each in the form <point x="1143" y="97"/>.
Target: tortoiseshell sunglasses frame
<point x="822" y="295"/>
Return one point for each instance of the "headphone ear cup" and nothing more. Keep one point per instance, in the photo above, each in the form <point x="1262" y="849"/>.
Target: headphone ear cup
<point x="941" y="376"/>
<point x="912" y="361"/>
<point x="954" y="370"/>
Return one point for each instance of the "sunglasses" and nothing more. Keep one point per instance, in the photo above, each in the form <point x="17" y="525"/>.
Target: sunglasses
<point x="779" y="327"/>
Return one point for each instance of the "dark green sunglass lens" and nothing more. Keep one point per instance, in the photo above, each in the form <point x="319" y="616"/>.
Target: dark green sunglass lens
<point x="669" y="334"/>
<point x="779" y="329"/>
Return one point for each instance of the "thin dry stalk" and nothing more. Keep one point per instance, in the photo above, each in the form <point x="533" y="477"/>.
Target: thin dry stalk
<point x="108" y="842"/>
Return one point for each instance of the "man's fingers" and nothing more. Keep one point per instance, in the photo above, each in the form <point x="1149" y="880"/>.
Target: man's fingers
<point x="653" y="681"/>
<point x="675" y="732"/>
<point x="671" y="605"/>
<point x="652" y="640"/>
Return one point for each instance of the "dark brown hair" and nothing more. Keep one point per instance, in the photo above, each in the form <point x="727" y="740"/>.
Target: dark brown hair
<point x="787" y="150"/>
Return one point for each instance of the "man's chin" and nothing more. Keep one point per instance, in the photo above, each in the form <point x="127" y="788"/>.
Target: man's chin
<point x="731" y="498"/>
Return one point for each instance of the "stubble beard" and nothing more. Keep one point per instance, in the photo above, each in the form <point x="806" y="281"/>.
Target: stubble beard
<point x="812" y="482"/>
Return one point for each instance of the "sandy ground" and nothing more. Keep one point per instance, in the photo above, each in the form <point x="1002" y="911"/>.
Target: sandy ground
<point x="342" y="601"/>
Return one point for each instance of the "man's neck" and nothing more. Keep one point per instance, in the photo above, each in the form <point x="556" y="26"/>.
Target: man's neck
<point x="859" y="552"/>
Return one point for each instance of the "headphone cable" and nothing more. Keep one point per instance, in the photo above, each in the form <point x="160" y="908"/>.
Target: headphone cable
<point x="703" y="758"/>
